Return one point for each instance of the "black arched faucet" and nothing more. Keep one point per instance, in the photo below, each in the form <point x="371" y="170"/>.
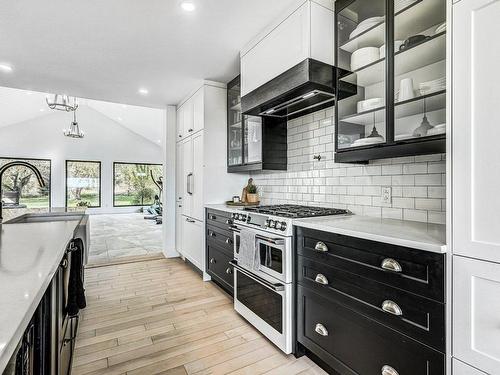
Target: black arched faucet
<point x="18" y="164"/>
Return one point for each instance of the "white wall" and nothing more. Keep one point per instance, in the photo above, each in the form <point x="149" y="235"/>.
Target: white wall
<point x="105" y="141"/>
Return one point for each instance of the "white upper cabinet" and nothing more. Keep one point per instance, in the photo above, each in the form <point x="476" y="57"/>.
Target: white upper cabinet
<point x="198" y="110"/>
<point x="188" y="117"/>
<point x="180" y="123"/>
<point x="476" y="313"/>
<point x="476" y="132"/>
<point x="307" y="32"/>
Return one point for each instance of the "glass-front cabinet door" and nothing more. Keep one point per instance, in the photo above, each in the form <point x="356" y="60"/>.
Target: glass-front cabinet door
<point x="361" y="40"/>
<point x="419" y="69"/>
<point x="235" y="125"/>
<point x="252" y="139"/>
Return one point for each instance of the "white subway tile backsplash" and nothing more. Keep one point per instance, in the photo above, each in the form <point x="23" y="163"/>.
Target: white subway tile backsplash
<point x="417" y="182"/>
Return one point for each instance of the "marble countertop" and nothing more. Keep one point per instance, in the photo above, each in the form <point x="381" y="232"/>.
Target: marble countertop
<point x="422" y="236"/>
<point x="29" y="256"/>
<point x="224" y="207"/>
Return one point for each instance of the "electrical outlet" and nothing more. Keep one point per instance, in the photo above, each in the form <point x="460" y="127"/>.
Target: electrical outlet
<point x="386" y="195"/>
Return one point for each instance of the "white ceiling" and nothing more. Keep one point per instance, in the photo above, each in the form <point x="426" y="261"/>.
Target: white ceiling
<point x="17" y="106"/>
<point x="106" y="50"/>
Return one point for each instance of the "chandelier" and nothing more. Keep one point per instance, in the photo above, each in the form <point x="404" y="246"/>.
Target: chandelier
<point x="74" y="130"/>
<point x="62" y="102"/>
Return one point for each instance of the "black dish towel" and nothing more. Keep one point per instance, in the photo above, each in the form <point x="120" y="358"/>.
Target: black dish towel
<point x="76" y="292"/>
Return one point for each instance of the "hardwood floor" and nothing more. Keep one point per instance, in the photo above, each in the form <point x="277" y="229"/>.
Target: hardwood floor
<point x="159" y="317"/>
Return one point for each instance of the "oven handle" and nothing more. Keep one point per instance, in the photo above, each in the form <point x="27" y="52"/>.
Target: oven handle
<point x="275" y="241"/>
<point x="260" y="280"/>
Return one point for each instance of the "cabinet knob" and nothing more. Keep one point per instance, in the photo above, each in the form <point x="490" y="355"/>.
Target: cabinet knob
<point x="229" y="222"/>
<point x="390" y="264"/>
<point x="229" y="241"/>
<point x="388" y="370"/>
<point x="212" y="234"/>
<point x="392" y="307"/>
<point x="212" y="260"/>
<point x="321" y="330"/>
<point x="180" y="135"/>
<point x="190" y="130"/>
<point x="321" y="279"/>
<point x="321" y="247"/>
<point x="212" y="217"/>
<point x="229" y="271"/>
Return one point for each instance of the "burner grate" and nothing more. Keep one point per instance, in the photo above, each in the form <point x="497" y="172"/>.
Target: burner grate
<point x="296" y="211"/>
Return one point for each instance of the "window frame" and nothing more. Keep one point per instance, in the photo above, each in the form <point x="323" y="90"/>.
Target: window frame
<point x="35" y="159"/>
<point x="115" y="163"/>
<point x="66" y="179"/>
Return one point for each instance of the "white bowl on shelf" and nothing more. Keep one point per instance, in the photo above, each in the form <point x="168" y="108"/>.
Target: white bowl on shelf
<point x="365" y="25"/>
<point x="364" y="56"/>
<point x="368" y="104"/>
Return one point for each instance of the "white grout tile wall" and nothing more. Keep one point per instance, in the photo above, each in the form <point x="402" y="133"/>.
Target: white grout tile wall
<point x="417" y="182"/>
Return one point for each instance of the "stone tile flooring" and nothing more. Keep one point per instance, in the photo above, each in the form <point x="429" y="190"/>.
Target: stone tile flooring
<point x="117" y="237"/>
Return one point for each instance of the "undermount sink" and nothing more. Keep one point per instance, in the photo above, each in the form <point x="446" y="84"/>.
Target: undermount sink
<point x="44" y="217"/>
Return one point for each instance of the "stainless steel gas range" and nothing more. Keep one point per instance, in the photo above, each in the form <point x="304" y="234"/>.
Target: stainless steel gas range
<point x="263" y="293"/>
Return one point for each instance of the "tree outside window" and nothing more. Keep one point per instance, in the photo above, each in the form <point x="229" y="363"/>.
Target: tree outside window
<point x="133" y="184"/>
<point x="83" y="183"/>
<point x="20" y="186"/>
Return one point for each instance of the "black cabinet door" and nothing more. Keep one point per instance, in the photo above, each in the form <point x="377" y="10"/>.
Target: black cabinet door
<point x="219" y="268"/>
<point x="415" y="271"/>
<point x="353" y="344"/>
<point x="418" y="317"/>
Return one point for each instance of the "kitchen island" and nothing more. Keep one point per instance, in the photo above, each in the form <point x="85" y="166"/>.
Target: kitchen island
<point x="30" y="254"/>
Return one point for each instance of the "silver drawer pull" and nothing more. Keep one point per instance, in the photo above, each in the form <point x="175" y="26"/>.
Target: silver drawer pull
<point x="321" y="329"/>
<point x="321" y="279"/>
<point x="212" y="260"/>
<point x="228" y="241"/>
<point x="321" y="246"/>
<point x="229" y="271"/>
<point x="390" y="264"/>
<point x="212" y="234"/>
<point x="392" y="308"/>
<point x="388" y="370"/>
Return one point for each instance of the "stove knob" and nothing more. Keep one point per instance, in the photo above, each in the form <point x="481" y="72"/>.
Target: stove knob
<point x="272" y="224"/>
<point x="278" y="225"/>
<point x="283" y="226"/>
<point x="240" y="217"/>
<point x="267" y="223"/>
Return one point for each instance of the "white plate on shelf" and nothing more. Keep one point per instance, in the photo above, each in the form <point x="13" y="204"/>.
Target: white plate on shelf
<point x="366" y="141"/>
<point x="365" y="25"/>
<point x="400" y="137"/>
<point x="372" y="103"/>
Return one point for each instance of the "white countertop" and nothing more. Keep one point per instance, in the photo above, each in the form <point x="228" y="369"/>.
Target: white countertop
<point x="423" y="236"/>
<point x="29" y="256"/>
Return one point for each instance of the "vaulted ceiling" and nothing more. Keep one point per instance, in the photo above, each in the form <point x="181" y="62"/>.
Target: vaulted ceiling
<point x="107" y="50"/>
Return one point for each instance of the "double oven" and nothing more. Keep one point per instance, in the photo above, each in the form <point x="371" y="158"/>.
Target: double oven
<point x="263" y="293"/>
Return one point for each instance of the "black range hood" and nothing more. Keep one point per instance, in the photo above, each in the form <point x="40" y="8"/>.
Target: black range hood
<point x="305" y="88"/>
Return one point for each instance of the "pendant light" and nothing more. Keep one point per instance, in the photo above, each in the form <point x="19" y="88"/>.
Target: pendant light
<point x="74" y="130"/>
<point x="425" y="126"/>
<point x="375" y="134"/>
<point x="62" y="102"/>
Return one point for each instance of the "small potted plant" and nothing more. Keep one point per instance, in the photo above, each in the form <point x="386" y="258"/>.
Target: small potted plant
<point x="252" y="193"/>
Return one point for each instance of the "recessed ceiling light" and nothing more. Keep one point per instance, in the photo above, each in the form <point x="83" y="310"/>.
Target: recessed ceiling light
<point x="5" y="68"/>
<point x="42" y="109"/>
<point x="159" y="140"/>
<point x="143" y="91"/>
<point x="188" y="6"/>
<point x="119" y="119"/>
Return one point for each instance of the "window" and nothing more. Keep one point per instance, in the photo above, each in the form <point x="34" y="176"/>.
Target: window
<point x="133" y="184"/>
<point x="20" y="187"/>
<point x="83" y="183"/>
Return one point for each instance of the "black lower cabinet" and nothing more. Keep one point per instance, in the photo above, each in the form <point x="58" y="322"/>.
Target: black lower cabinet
<point x="219" y="268"/>
<point x="351" y="343"/>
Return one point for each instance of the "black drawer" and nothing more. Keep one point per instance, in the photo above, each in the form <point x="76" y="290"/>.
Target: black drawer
<point x="221" y="219"/>
<point x="221" y="238"/>
<point x="219" y="268"/>
<point x="353" y="344"/>
<point x="418" y="317"/>
<point x="420" y="272"/>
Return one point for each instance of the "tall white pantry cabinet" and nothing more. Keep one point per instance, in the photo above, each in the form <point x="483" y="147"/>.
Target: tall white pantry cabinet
<point x="476" y="187"/>
<point x="201" y="166"/>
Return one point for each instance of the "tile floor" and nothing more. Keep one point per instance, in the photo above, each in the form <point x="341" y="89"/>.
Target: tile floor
<point x="116" y="237"/>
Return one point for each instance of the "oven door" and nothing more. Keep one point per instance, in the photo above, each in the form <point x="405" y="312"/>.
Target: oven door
<point x="274" y="254"/>
<point x="267" y="305"/>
